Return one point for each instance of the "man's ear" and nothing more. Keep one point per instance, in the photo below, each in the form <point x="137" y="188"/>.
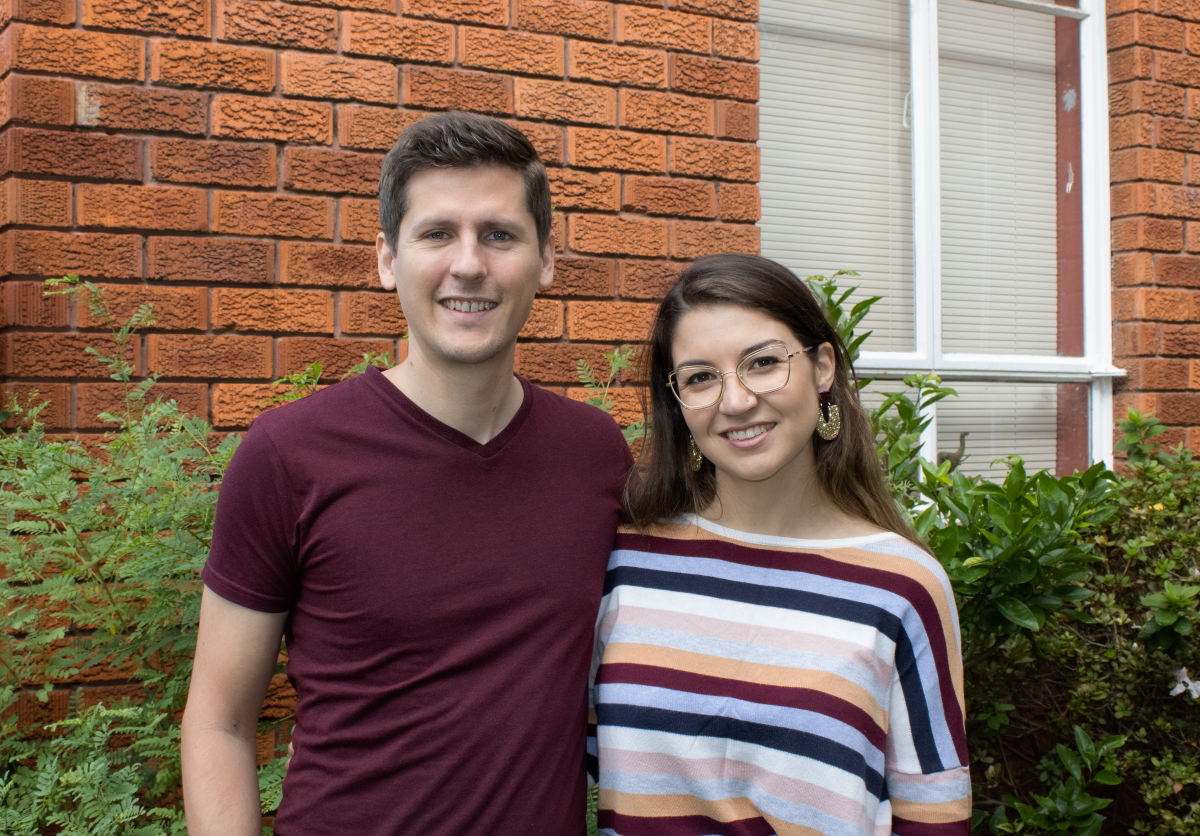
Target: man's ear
<point x="547" y="275"/>
<point x="385" y="257"/>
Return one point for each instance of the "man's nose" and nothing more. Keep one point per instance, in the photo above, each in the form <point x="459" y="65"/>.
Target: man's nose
<point x="469" y="263"/>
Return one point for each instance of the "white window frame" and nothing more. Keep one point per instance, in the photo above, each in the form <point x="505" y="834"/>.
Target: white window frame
<point x="1095" y="366"/>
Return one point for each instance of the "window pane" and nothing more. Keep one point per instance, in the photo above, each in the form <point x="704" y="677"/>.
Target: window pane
<point x="836" y="164"/>
<point x="998" y="158"/>
<point x="1002" y="419"/>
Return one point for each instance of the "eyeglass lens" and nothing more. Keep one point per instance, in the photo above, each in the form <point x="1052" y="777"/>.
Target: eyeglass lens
<point x="763" y="371"/>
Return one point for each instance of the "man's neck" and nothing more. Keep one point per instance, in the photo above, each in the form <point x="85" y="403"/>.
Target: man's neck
<point x="478" y="400"/>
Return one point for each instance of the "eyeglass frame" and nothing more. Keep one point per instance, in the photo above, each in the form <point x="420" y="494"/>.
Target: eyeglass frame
<point x="672" y="377"/>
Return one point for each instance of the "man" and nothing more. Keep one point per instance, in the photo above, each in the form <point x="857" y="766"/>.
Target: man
<point x="431" y="541"/>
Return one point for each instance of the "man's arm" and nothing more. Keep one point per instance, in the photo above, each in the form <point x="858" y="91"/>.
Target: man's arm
<point x="236" y="650"/>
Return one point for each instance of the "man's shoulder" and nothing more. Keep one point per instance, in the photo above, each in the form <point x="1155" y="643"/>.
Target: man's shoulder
<point x="328" y="409"/>
<point x="573" y="417"/>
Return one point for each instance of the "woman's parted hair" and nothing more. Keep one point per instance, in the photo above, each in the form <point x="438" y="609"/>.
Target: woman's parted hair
<point x="460" y="140"/>
<point x="662" y="484"/>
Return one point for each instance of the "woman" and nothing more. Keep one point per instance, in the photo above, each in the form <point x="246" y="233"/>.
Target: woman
<point x="776" y="652"/>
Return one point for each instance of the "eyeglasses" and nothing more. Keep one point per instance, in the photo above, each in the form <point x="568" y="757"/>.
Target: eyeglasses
<point x="762" y="371"/>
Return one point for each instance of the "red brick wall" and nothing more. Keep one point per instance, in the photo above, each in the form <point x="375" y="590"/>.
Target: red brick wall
<point x="1154" y="77"/>
<point x="220" y="158"/>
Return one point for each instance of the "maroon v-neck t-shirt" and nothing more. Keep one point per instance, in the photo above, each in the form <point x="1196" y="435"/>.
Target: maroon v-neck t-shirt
<point x="442" y="597"/>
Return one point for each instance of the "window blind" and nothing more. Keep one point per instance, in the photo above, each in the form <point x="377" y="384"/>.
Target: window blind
<point x="1002" y="419"/>
<point x="998" y="146"/>
<point x="836" y="162"/>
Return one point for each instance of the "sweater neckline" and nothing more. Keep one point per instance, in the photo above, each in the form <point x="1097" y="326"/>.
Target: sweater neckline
<point x="786" y="542"/>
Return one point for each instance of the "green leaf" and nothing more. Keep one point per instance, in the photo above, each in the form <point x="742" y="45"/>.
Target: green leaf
<point x="1105" y="776"/>
<point x="1070" y="761"/>
<point x="1016" y="612"/>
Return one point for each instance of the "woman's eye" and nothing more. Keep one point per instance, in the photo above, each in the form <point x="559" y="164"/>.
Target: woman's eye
<point x="698" y="378"/>
<point x="764" y="362"/>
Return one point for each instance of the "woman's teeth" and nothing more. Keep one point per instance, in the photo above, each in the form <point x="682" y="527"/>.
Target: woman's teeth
<point x="468" y="307"/>
<point x="742" y="435"/>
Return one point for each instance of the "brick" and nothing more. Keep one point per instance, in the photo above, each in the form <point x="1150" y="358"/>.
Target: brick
<point x="740" y="9"/>
<point x="1175" y="8"/>
<point x="1191" y="238"/>
<point x="558" y="229"/>
<point x="58" y="355"/>
<point x="571" y="189"/>
<point x="545" y="321"/>
<point x="648" y="279"/>
<point x="732" y="39"/>
<point x="243" y="309"/>
<point x="319" y="170"/>
<point x="1193" y="38"/>
<point x="615" y="65"/>
<point x="75" y="52"/>
<point x="715" y="159"/>
<point x="361" y="5"/>
<point x="235" y="405"/>
<point x="457" y="90"/>
<point x="74" y="155"/>
<point x="619" y="150"/>
<point x="397" y="39"/>
<point x="1147" y="234"/>
<point x="1146" y="96"/>
<point x="670" y="196"/>
<point x="187" y="18"/>
<point x="1131" y="130"/>
<point x="1132" y="268"/>
<point x="737" y="120"/>
<point x="141" y="109"/>
<point x="90" y="255"/>
<point x="1177" y="270"/>
<point x="1156" y="373"/>
<point x="33" y="715"/>
<point x="1153" y="304"/>
<point x="566" y="101"/>
<point x="660" y="28"/>
<point x="337" y="356"/>
<point x="39" y="101"/>
<point x="60" y="12"/>
<point x="111" y="695"/>
<point x="284" y="216"/>
<point x="373" y="128"/>
<point x="713" y="77"/>
<point x="606" y="235"/>
<point x="693" y="239"/>
<point x="1179" y="408"/>
<point x="36" y="202"/>
<point x="372" y="313"/>
<point x="360" y="220"/>
<point x="175" y="308"/>
<point x="668" y="112"/>
<point x="213" y="163"/>
<point x="1130" y="63"/>
<point x="216" y="260"/>
<point x="55" y="398"/>
<point x="1139" y="339"/>
<point x="277" y="24"/>
<point x="556" y="362"/>
<point x="1179" y="134"/>
<point x="328" y="265"/>
<point x="1146" y="30"/>
<point x="251" y="117"/>
<point x="1177" y="69"/>
<point x="1146" y="164"/>
<point x="1181" y="340"/>
<point x="575" y="18"/>
<point x="330" y="77"/>
<point x="740" y="202"/>
<point x="609" y="321"/>
<point x="626" y="403"/>
<point x="582" y="277"/>
<point x="491" y="12"/>
<point x="511" y="52"/>
<point x="26" y="304"/>
<point x="188" y="64"/>
<point x="547" y="140"/>
<point x="208" y="357"/>
<point x="141" y="207"/>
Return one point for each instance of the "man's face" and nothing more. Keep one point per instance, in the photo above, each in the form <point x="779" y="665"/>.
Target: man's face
<point x="467" y="261"/>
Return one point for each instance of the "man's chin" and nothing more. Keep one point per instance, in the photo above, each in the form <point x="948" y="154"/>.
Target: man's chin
<point x="473" y="354"/>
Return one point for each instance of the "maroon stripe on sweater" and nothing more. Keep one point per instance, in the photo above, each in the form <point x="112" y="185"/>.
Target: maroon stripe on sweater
<point x="806" y="699"/>
<point x="904" y="827"/>
<point x="682" y="825"/>
<point x="815" y="564"/>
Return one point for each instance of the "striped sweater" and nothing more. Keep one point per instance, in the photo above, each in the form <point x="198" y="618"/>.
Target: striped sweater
<point x="750" y="685"/>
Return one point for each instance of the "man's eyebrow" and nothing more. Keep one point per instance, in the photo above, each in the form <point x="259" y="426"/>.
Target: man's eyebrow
<point x="749" y="350"/>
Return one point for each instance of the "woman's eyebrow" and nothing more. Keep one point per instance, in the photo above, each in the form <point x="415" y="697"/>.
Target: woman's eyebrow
<point x="750" y="350"/>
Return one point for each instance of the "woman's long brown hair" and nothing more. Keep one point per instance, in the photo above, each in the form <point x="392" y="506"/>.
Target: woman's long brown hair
<point x="663" y="486"/>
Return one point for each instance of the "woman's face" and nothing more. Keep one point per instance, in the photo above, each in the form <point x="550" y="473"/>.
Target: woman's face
<point x="747" y="436"/>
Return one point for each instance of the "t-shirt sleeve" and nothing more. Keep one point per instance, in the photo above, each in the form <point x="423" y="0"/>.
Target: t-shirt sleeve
<point x="926" y="770"/>
<point x="253" y="558"/>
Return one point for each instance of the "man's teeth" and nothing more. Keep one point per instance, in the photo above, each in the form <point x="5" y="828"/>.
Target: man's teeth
<point x="742" y="435"/>
<point x="468" y="307"/>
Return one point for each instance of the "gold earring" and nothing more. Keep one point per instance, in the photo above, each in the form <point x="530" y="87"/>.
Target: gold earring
<point x="695" y="457"/>
<point x="828" y="428"/>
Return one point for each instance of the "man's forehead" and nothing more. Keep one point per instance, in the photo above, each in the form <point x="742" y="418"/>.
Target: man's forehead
<point x="467" y="192"/>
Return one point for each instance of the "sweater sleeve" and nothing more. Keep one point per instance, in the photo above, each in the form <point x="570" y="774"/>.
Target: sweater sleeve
<point x="926" y="766"/>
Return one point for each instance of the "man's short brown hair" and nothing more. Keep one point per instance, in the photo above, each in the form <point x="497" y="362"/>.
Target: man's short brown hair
<point x="460" y="140"/>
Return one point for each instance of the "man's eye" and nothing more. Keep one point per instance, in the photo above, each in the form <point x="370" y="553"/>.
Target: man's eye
<point x="500" y="235"/>
<point x="438" y="236"/>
